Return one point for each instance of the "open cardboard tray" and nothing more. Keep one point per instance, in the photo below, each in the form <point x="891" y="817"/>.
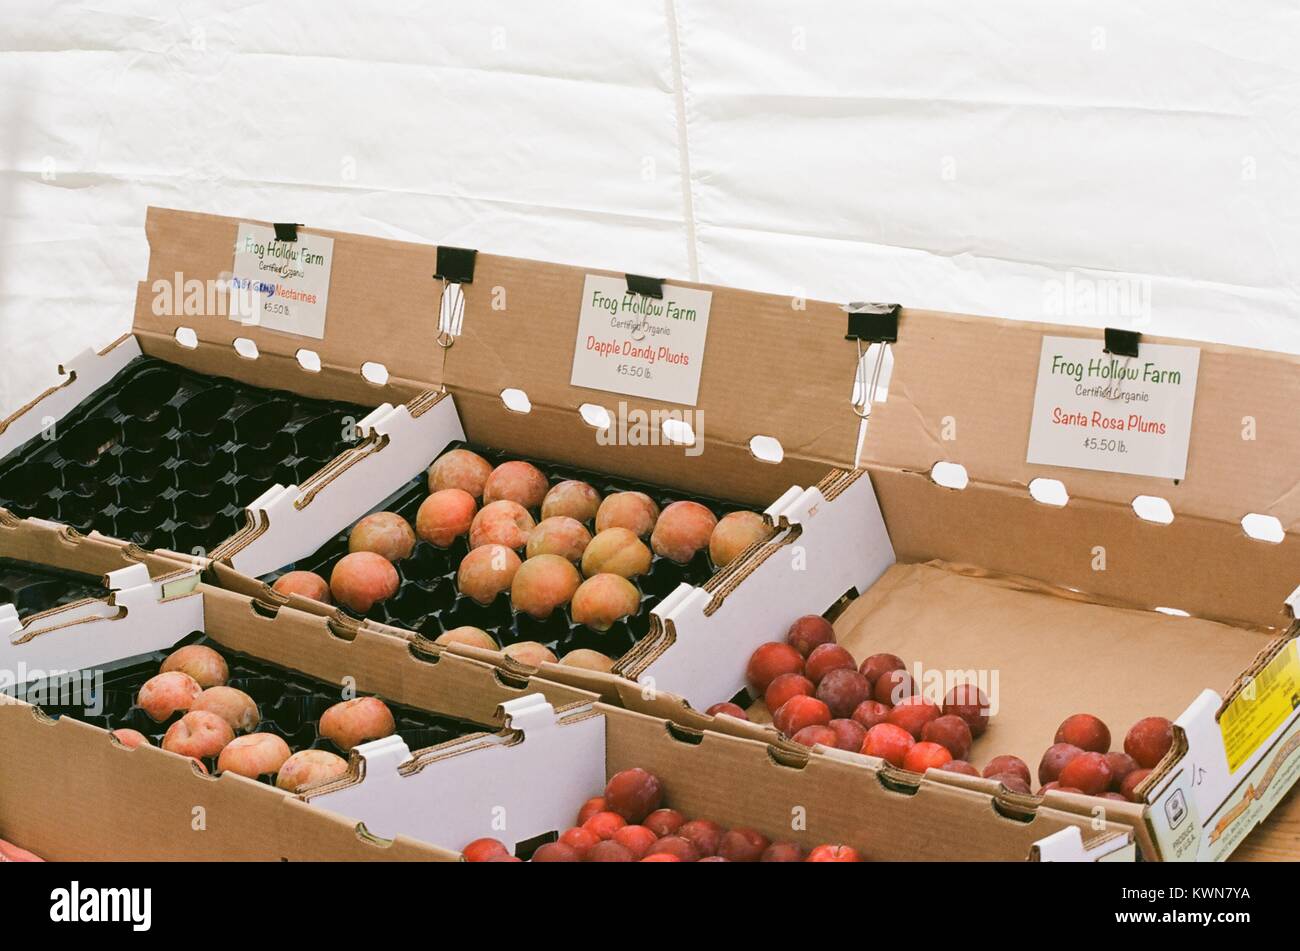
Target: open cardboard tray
<point x="69" y="791"/>
<point x="770" y="371"/>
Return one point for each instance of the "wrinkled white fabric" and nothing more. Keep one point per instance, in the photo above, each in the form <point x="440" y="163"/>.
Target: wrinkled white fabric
<point x="981" y="158"/>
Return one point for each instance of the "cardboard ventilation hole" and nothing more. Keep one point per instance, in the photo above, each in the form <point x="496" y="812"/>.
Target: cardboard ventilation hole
<point x="427" y="601"/>
<point x="162" y="456"/>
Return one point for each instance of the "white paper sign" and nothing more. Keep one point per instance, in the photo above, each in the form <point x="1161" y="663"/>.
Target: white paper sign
<point x="283" y="285"/>
<point x="642" y="346"/>
<point x="1094" y="410"/>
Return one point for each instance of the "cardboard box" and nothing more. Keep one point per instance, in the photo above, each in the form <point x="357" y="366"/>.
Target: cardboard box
<point x="72" y="792"/>
<point x="780" y="381"/>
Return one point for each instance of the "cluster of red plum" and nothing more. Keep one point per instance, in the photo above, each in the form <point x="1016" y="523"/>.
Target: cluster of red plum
<point x="564" y="562"/>
<point x="819" y="694"/>
<point x="630" y="824"/>
<point x="220" y="722"/>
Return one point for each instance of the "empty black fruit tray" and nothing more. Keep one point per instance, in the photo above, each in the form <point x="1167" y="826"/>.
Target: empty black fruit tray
<point x="428" y="602"/>
<point x="168" y="458"/>
<point x="35" y="588"/>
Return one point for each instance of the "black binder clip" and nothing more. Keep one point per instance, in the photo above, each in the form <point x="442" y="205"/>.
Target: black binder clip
<point x="1122" y="343"/>
<point x="456" y="265"/>
<point x="285" y="231"/>
<point x="873" y="323"/>
<point x="645" y="286"/>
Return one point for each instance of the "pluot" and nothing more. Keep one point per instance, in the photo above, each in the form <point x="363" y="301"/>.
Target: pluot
<point x="362" y="579"/>
<point x="384" y="533"/>
<point x="445" y="516"/>
<point x="355" y="721"/>
<point x="683" y="529"/>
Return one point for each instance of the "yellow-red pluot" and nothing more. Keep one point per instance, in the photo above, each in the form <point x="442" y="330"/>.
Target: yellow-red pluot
<point x="559" y="535"/>
<point x="532" y="653"/>
<point x="543" y="584"/>
<point x="618" y="551"/>
<point x="603" y="599"/>
<point x="254" y="755"/>
<point x="306" y="584"/>
<point x="520" y="482"/>
<point x="168" y="693"/>
<point x="231" y="704"/>
<point x="682" y="530"/>
<point x="384" y="533"/>
<point x="202" y="663"/>
<point x="485" y="572"/>
<point x="357" y="721"/>
<point x="362" y="579"/>
<point x="635" y="511"/>
<point x="131" y="738"/>
<point x="199" y="734"/>
<point x="468" y="635"/>
<point x="309" y="768"/>
<point x="445" y="516"/>
<point x="577" y="500"/>
<point x="735" y="532"/>
<point x="586" y="659"/>
<point x="460" y="469"/>
<point x="501" y="523"/>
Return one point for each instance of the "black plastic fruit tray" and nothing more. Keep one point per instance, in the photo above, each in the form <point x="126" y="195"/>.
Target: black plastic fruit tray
<point x="290" y="704"/>
<point x="167" y="458"/>
<point x="428" y="602"/>
<point x="35" y="588"/>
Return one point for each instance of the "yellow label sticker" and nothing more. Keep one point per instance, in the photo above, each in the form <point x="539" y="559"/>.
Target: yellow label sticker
<point x="1263" y="705"/>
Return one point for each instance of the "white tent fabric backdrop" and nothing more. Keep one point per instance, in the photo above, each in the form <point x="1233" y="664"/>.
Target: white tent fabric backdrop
<point x="1104" y="163"/>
